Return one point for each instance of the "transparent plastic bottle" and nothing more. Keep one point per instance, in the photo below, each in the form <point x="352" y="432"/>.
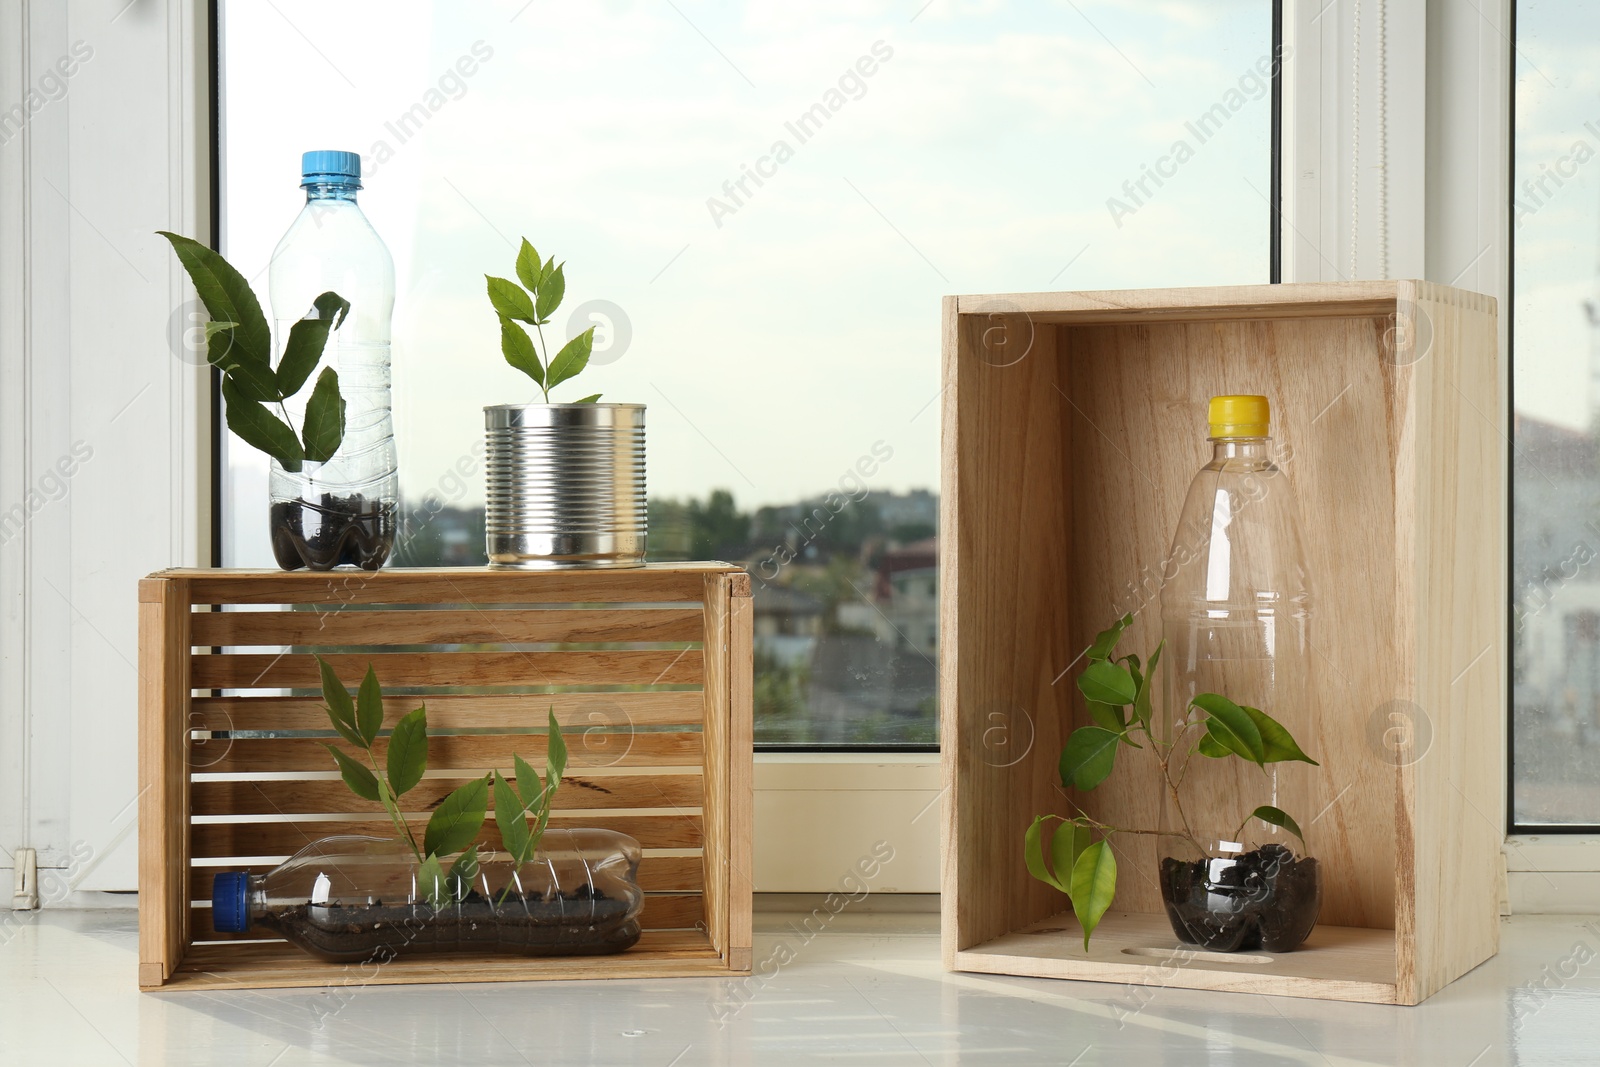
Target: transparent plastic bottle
<point x="351" y="899"/>
<point x="342" y="511"/>
<point x="1236" y="616"/>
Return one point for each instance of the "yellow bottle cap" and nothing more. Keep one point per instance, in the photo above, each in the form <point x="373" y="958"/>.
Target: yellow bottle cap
<point x="1239" y="416"/>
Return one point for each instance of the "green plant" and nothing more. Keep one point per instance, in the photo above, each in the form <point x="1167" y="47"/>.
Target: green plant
<point x="239" y="343"/>
<point x="1118" y="695"/>
<point x="533" y="302"/>
<point x="453" y="827"/>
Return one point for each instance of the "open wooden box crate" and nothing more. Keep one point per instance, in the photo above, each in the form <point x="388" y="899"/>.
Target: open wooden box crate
<point x="649" y="674"/>
<point x="1073" y="423"/>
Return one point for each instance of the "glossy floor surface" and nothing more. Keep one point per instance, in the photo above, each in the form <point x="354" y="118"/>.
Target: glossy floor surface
<point x="868" y="990"/>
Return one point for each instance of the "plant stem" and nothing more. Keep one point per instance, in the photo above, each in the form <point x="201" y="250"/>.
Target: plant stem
<point x="1164" y="758"/>
<point x="544" y="362"/>
<point x="394" y="812"/>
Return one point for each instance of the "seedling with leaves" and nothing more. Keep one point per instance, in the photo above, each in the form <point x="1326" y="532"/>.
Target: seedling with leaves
<point x="239" y="343"/>
<point x="1118" y="693"/>
<point x="533" y="302"/>
<point x="454" y="825"/>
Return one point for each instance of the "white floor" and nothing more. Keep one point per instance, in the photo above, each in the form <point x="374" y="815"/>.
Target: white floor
<point x="869" y="990"/>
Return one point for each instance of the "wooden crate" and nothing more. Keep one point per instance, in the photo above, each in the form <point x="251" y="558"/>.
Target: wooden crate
<point x="648" y="671"/>
<point x="1073" y="423"/>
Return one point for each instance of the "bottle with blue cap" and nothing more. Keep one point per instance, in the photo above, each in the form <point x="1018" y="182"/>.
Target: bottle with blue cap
<point x="350" y="898"/>
<point x="342" y="511"/>
<point x="1236" y="618"/>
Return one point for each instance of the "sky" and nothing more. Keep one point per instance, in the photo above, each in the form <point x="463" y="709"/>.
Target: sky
<point x="1557" y="234"/>
<point x="777" y="337"/>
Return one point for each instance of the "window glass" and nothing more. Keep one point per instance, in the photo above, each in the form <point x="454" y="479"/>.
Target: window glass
<point x="1555" y="477"/>
<point x="760" y="206"/>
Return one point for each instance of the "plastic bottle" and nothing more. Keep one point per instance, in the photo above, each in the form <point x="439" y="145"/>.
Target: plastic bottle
<point x="342" y="511"/>
<point x="351" y="899"/>
<point x="1236" y="617"/>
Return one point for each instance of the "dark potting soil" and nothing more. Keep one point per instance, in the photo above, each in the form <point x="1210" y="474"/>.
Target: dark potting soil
<point x="341" y="530"/>
<point x="582" y="923"/>
<point x="1263" y="899"/>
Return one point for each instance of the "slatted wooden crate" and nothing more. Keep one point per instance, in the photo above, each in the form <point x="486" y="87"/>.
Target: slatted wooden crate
<point x="649" y="674"/>
<point x="1073" y="423"/>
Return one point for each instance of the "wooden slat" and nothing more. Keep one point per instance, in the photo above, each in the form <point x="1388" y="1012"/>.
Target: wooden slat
<point x="1335" y="963"/>
<point x="283" y="838"/>
<point x="334" y="797"/>
<point x="716" y="734"/>
<point x="459" y="753"/>
<point x="651" y="584"/>
<point x="163" y="777"/>
<point x="1235" y="303"/>
<point x="662" y="911"/>
<point x="278" y="965"/>
<point x="657" y="874"/>
<point x="463" y="626"/>
<point x="622" y="667"/>
<point x="741" y="775"/>
<point x="455" y="711"/>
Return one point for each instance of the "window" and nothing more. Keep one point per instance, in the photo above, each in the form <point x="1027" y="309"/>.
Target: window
<point x="760" y="205"/>
<point x="1555" y="595"/>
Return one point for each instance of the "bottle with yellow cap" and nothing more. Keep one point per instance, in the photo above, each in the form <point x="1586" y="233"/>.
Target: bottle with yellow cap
<point x="1236" y="614"/>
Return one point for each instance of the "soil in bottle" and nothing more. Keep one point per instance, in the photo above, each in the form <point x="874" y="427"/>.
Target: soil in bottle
<point x="585" y="922"/>
<point x="1263" y="899"/>
<point x="339" y="531"/>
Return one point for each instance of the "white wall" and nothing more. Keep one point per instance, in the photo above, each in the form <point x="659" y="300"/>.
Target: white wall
<point x="113" y="147"/>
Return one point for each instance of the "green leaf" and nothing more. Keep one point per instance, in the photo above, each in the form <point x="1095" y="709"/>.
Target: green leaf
<point x="430" y="883"/>
<point x="214" y="327"/>
<point x="510" y="300"/>
<point x="1210" y="746"/>
<point x="324" y="428"/>
<point x="341" y="709"/>
<point x="369" y="709"/>
<point x="227" y="298"/>
<point x="1141" y="702"/>
<point x="511" y="817"/>
<point x="1228" y="723"/>
<point x="1106" y="642"/>
<point x="552" y="287"/>
<point x="1107" y="682"/>
<point x="1066" y="845"/>
<point x="260" y="428"/>
<point x="1094" y="886"/>
<point x="457" y="819"/>
<point x="1033" y="852"/>
<point x="308" y="338"/>
<point x="528" y="269"/>
<point x="573" y="357"/>
<point x="252" y="381"/>
<point x="588" y="399"/>
<point x="1088" y="757"/>
<point x="362" y="782"/>
<point x="408" y="751"/>
<point x="333" y="307"/>
<point x="555" y="761"/>
<point x="528" y="786"/>
<point x="463" y="872"/>
<point x="519" y="351"/>
<point x="1278" y="817"/>
<point x="1107" y="715"/>
<point x="1276" y="743"/>
<point x="301" y="354"/>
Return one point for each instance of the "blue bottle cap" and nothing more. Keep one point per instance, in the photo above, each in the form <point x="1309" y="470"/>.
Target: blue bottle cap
<point x="328" y="167"/>
<point x="230" y="902"/>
